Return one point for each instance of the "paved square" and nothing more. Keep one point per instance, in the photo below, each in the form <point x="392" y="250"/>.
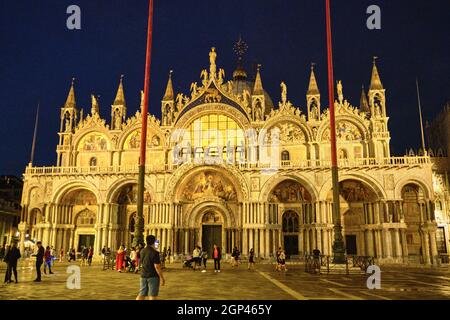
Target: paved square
<point x="232" y="284"/>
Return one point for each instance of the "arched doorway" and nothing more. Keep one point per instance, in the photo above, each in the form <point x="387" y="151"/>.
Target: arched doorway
<point x="413" y="205"/>
<point x="125" y="212"/>
<point x="84" y="229"/>
<point x="358" y="206"/>
<point x="291" y="228"/>
<point x="81" y="211"/>
<point x="294" y="204"/>
<point x="212" y="227"/>
<point x="131" y="227"/>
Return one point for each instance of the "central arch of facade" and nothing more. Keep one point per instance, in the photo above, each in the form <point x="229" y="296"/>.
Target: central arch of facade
<point x="207" y="202"/>
<point x="211" y="222"/>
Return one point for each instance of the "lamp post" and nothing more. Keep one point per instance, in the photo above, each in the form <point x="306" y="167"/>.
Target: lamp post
<point x="139" y="227"/>
<point x="338" y="243"/>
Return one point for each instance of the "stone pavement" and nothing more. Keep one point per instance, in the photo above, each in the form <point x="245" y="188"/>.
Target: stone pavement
<point x="232" y="284"/>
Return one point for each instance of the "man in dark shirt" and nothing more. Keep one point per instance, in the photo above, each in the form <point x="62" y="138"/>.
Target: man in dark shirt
<point x="39" y="260"/>
<point x="151" y="274"/>
<point x="11" y="258"/>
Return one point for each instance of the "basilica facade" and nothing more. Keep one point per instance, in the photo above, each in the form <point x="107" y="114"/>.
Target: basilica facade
<point x="228" y="166"/>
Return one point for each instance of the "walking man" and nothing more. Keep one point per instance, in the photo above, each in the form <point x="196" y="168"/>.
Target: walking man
<point x="11" y="258"/>
<point x="39" y="261"/>
<point x="217" y="255"/>
<point x="151" y="274"/>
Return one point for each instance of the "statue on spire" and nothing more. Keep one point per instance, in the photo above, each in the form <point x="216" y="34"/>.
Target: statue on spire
<point x="212" y="61"/>
<point x="340" y="92"/>
<point x="283" y="93"/>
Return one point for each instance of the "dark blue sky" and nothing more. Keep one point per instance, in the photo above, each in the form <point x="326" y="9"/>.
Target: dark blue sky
<point x="39" y="56"/>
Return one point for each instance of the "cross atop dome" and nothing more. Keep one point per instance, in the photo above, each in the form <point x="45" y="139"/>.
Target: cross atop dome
<point x="240" y="48"/>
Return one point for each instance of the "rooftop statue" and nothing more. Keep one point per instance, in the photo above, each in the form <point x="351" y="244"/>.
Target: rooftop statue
<point x="212" y="61"/>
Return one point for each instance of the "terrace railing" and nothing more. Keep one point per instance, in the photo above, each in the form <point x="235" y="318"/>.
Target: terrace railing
<point x="397" y="162"/>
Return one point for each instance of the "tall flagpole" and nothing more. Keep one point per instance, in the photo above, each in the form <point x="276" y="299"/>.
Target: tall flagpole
<point x="421" y="120"/>
<point x="338" y="244"/>
<point x="33" y="146"/>
<point x="139" y="228"/>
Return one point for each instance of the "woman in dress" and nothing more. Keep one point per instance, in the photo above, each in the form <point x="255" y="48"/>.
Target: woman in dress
<point x="120" y="259"/>
<point x="251" y="259"/>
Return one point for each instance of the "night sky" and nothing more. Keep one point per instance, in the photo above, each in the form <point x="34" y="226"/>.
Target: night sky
<point x="39" y="56"/>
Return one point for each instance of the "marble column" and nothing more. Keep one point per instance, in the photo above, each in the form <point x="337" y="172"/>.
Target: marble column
<point x="426" y="247"/>
<point x="433" y="244"/>
<point x="378" y="246"/>
<point x="369" y="243"/>
<point x="307" y="246"/>
<point x="387" y="243"/>
<point x="186" y="241"/>
<point x="245" y="239"/>
<point x="404" y="244"/>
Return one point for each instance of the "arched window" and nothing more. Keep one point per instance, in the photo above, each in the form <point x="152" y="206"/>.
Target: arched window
<point x="342" y="154"/>
<point x="132" y="222"/>
<point x="93" y="162"/>
<point x="285" y="156"/>
<point x="290" y="222"/>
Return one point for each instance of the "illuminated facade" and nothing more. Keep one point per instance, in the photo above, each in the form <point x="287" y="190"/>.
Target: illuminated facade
<point x="227" y="166"/>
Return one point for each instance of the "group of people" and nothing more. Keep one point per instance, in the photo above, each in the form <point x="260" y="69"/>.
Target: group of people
<point x="128" y="260"/>
<point x="86" y="255"/>
<point x="44" y="256"/>
<point x="200" y="257"/>
<point x="235" y="257"/>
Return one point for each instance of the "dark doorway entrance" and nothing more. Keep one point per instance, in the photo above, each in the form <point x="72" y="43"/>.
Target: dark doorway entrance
<point x="211" y="235"/>
<point x="291" y="245"/>
<point x="350" y="244"/>
<point x="85" y="240"/>
<point x="440" y="240"/>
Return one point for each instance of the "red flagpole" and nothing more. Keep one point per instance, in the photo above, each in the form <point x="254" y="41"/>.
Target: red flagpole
<point x="331" y="86"/>
<point x="146" y="85"/>
<point x="139" y="233"/>
<point x="338" y="245"/>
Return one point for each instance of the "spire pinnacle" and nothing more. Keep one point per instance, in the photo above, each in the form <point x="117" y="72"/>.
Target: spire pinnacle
<point x="363" y="103"/>
<point x="258" y="88"/>
<point x="168" y="95"/>
<point x="375" y="81"/>
<point x="71" y="101"/>
<point x="313" y="89"/>
<point x="120" y="96"/>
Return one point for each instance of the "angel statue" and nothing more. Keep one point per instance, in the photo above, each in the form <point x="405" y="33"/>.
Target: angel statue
<point x="245" y="98"/>
<point x="230" y="86"/>
<point x="283" y="92"/>
<point x="179" y="101"/>
<point x="204" y="75"/>
<point x="221" y="75"/>
<point x="194" y="89"/>
<point x="340" y="92"/>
